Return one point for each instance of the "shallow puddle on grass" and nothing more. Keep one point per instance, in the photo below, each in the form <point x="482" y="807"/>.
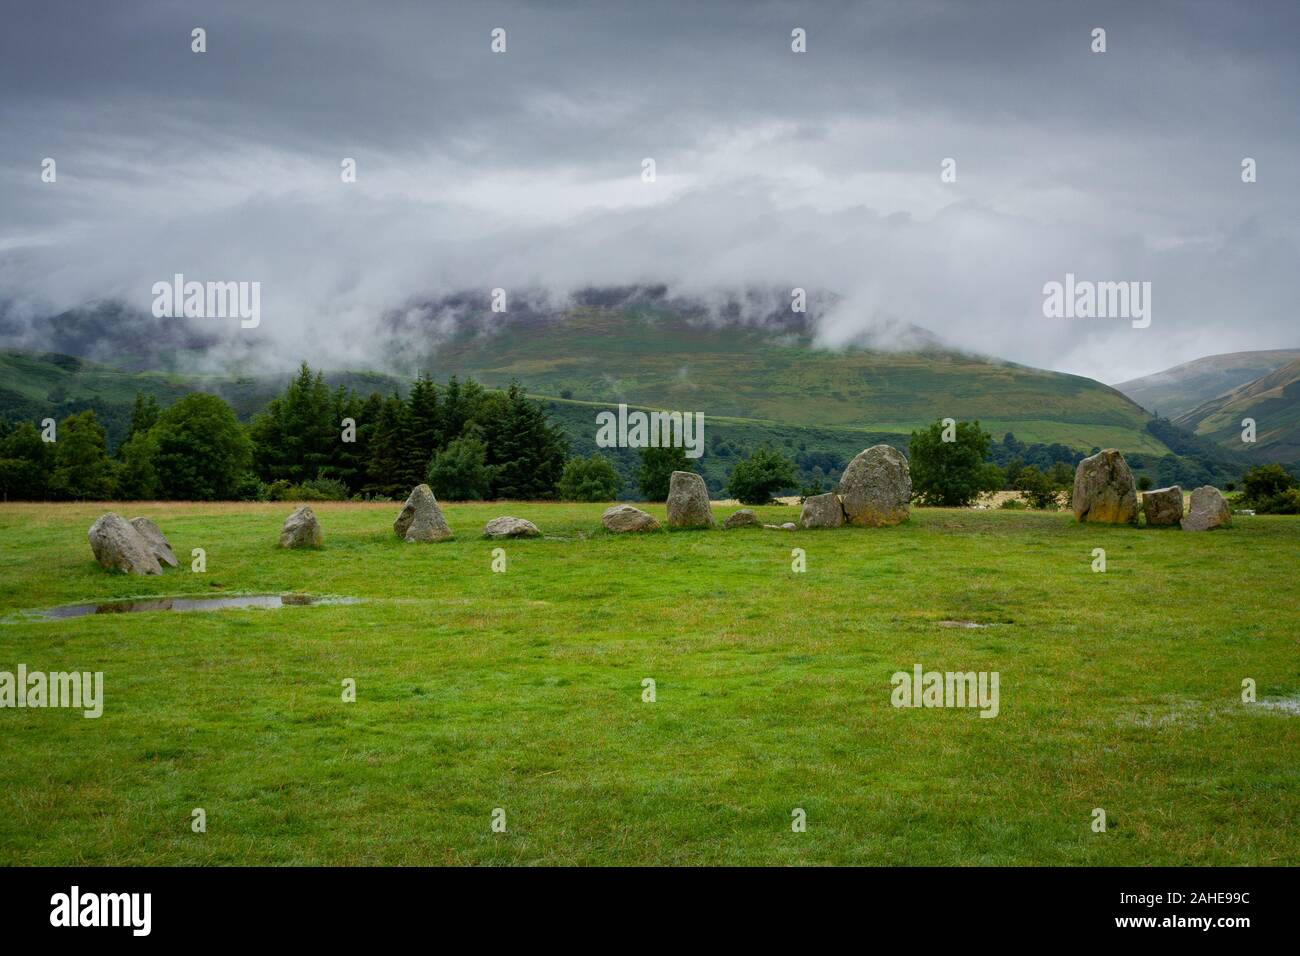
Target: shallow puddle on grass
<point x="961" y="624"/>
<point x="1288" y="705"/>
<point x="186" y="604"/>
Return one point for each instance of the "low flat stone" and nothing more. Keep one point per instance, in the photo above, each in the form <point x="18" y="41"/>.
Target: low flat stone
<point x="822" y="511"/>
<point x="153" y="537"/>
<point x="621" y="519"/>
<point x="744" y="518"/>
<point x="301" y="530"/>
<point x="508" y="527"/>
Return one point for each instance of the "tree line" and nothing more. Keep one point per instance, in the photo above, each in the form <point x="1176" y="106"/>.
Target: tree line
<point x="312" y="442"/>
<point x="468" y="443"/>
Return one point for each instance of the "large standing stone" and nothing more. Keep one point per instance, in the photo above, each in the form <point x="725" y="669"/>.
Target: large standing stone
<point x="822" y="511"/>
<point x="1104" y="491"/>
<point x="119" y="547"/>
<point x="1163" y="506"/>
<point x="507" y="527"/>
<point x="744" y="518"/>
<point x="153" y="537"/>
<point x="688" y="501"/>
<point x="1206" y="510"/>
<point x="876" y="487"/>
<point x="301" y="530"/>
<point x="421" y="519"/>
<point x="621" y="518"/>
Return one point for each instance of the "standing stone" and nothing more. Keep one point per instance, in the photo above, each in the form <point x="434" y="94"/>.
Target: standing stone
<point x="507" y="527"/>
<point x="119" y="547"/>
<point x="623" y="518"/>
<point x="421" y="519"/>
<point x="822" y="511"/>
<point x="688" y="501"/>
<point x="1163" y="506"/>
<point x="301" y="530"/>
<point x="744" y="518"/>
<point x="1206" y="510"/>
<point x="876" y="487"/>
<point x="1104" y="491"/>
<point x="153" y="537"/>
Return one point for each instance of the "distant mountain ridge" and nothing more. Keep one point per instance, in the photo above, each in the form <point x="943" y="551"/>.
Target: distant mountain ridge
<point x="1176" y="391"/>
<point x="1271" y="401"/>
<point x="743" y="356"/>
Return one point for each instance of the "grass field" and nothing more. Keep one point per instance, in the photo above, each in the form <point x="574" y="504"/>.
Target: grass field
<point x="523" y="691"/>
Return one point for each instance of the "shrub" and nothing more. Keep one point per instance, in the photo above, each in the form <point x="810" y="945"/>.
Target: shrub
<point x="325" y="489"/>
<point x="754" y="480"/>
<point x="589" y="479"/>
<point x="1270" y="490"/>
<point x="1041" y="492"/>
<point x="459" y="472"/>
<point x="950" y="473"/>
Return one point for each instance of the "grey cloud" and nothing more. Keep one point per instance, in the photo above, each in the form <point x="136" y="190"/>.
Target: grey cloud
<point x="521" y="170"/>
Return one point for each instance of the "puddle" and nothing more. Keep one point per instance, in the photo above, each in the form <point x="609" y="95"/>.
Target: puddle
<point x="1288" y="705"/>
<point x="186" y="604"/>
<point x="962" y="624"/>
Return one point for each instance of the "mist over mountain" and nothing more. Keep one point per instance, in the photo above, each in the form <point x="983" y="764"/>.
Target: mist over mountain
<point x="774" y="169"/>
<point x="409" y="339"/>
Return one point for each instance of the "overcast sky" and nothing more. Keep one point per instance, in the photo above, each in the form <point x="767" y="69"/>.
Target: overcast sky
<point x="523" y="169"/>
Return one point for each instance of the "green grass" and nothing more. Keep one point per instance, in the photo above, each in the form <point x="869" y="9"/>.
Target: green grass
<point x="523" y="690"/>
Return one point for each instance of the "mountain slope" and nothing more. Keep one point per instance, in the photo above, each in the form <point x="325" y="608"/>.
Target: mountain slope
<point x="1178" y="390"/>
<point x="1272" y="400"/>
<point x="664" y="357"/>
<point x="745" y="358"/>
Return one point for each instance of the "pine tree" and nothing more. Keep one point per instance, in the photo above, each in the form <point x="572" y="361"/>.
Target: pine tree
<point x="296" y="435"/>
<point x="387" y="469"/>
<point x="526" y="453"/>
<point x="424" y="435"/>
<point x="350" y="459"/>
<point x="144" y="415"/>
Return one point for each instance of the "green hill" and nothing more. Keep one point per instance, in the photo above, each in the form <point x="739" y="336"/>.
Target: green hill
<point x="1178" y="390"/>
<point x="1273" y="401"/>
<point x="660" y="358"/>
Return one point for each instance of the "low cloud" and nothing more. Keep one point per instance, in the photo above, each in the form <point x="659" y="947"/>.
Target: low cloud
<point x="774" y="170"/>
